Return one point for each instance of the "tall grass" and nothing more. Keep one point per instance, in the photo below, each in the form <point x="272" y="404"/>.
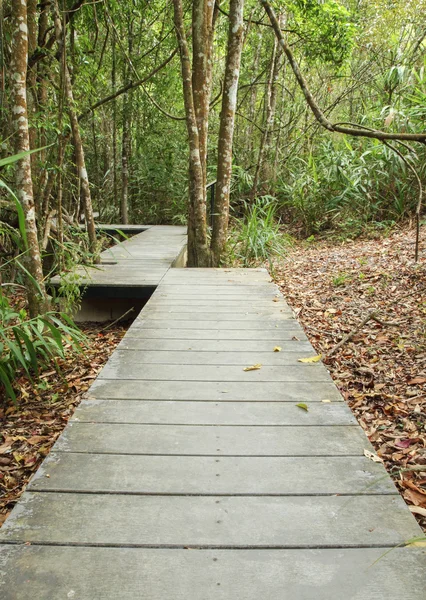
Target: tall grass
<point x="259" y="236"/>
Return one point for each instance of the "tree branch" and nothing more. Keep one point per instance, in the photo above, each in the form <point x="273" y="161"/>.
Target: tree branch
<point x="358" y="130"/>
<point x="127" y="88"/>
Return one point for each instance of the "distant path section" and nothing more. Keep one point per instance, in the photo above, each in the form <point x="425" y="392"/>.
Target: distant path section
<point x="185" y="475"/>
<point x="140" y="260"/>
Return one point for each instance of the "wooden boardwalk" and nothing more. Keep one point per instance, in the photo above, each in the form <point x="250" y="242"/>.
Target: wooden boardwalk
<point x="182" y="476"/>
<point x="139" y="261"/>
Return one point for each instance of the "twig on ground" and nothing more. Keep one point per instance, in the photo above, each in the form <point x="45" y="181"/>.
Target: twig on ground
<point x="119" y="319"/>
<point x="371" y="316"/>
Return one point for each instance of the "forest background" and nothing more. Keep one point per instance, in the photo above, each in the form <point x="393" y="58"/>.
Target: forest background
<point x="106" y="112"/>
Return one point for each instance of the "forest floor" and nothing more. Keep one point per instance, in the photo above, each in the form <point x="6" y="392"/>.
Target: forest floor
<point x="381" y="370"/>
<point x="30" y="428"/>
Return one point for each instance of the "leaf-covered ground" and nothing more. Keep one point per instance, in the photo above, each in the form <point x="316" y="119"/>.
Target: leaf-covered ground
<point x="29" y="430"/>
<point x="381" y="370"/>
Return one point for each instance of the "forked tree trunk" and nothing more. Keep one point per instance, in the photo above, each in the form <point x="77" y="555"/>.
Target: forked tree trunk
<point x="198" y="250"/>
<point x="78" y="145"/>
<point x="226" y="130"/>
<point x="37" y="298"/>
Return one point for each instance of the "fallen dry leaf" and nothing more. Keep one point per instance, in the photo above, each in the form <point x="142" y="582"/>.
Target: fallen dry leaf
<point x="277" y="349"/>
<point x="311" y="359"/>
<point x="255" y="367"/>
<point x="372" y="456"/>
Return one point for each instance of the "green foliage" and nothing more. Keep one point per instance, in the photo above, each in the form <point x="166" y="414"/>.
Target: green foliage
<point x="31" y="345"/>
<point x="346" y="186"/>
<point x="327" y="29"/>
<point x="340" y="279"/>
<point x="259" y="237"/>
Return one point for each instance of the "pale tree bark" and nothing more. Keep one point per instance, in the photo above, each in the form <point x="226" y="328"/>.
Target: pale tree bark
<point x="78" y="145"/>
<point x="125" y="156"/>
<point x="226" y="130"/>
<point x="126" y="140"/>
<point x="203" y="19"/>
<point x="37" y="298"/>
<point x="263" y="169"/>
<point x="198" y="250"/>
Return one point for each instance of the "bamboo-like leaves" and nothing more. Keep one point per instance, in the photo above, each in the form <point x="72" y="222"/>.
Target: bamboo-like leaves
<point x="29" y="345"/>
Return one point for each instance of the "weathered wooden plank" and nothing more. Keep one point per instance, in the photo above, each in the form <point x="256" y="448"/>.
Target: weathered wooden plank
<point x="122" y="370"/>
<point x="232" y="317"/>
<point x="255" y="291"/>
<point x="225" y="306"/>
<point x="296" y="391"/>
<point x="209" y="521"/>
<point x="194" y="475"/>
<point x="292" y="346"/>
<point x="46" y="573"/>
<point x="202" y="296"/>
<point x="258" y="324"/>
<point x="215" y="440"/>
<point x="274" y="335"/>
<point x="212" y="413"/>
<point x="271" y="358"/>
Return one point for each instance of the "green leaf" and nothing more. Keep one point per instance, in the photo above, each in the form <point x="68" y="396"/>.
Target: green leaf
<point x="4" y="378"/>
<point x="20" y="212"/>
<point x="31" y="351"/>
<point x="9" y="160"/>
<point x="303" y="406"/>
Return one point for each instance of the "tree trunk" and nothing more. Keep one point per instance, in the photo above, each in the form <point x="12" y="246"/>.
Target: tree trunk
<point x="226" y="130"/>
<point x="37" y="297"/>
<point x="198" y="251"/>
<point x="78" y="145"/>
<point x="125" y="155"/>
<point x="263" y="170"/>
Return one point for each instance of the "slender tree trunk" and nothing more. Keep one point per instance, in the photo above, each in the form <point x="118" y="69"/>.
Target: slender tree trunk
<point x="2" y="71"/>
<point x="203" y="18"/>
<point x="263" y="168"/>
<point x="114" y="124"/>
<point x="78" y="145"/>
<point x="37" y="297"/>
<point x="125" y="155"/>
<point x="198" y="251"/>
<point x="226" y="130"/>
<point x="253" y="101"/>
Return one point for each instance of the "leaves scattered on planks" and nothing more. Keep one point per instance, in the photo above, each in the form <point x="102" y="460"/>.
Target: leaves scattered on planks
<point x="381" y="370"/>
<point x="29" y="430"/>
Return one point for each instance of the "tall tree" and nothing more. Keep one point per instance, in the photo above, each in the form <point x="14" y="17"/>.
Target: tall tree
<point x="37" y="298"/>
<point x="226" y="130"/>
<point x="197" y="93"/>
<point x="76" y="135"/>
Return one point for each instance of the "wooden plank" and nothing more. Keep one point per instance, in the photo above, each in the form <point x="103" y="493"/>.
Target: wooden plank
<point x="274" y="335"/>
<point x="271" y="358"/>
<point x="212" y="413"/>
<point x="227" y="440"/>
<point x="122" y="370"/>
<point x="210" y="521"/>
<point x="218" y="325"/>
<point x="251" y="317"/>
<point x="195" y="475"/>
<point x="55" y="573"/>
<point x="136" y="343"/>
<point x="255" y="391"/>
